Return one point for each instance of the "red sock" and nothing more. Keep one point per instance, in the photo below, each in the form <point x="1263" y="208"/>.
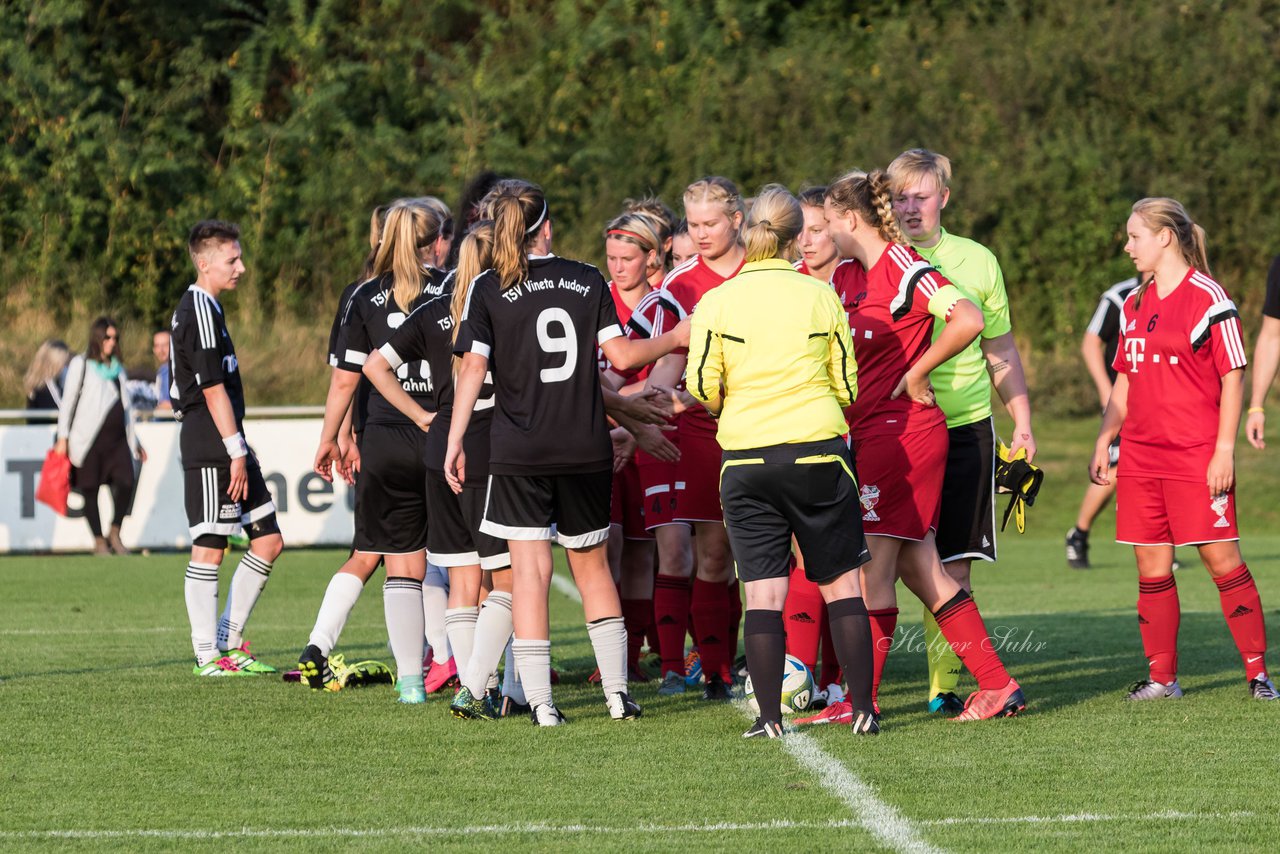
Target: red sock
<point x="802" y="615"/>
<point x="1242" y="607"/>
<point x="962" y="626"/>
<point x="735" y="628"/>
<point x="883" y="622"/>
<point x="1159" y="615"/>
<point x="831" y="672"/>
<point x="671" y="617"/>
<point x="709" y="609"/>
<point x="637" y="615"/>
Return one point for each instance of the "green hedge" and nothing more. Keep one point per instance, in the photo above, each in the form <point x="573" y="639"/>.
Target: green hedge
<point x="127" y="121"/>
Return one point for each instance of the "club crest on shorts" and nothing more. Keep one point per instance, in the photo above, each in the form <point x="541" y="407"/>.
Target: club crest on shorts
<point x="1218" y="504"/>
<point x="869" y="495"/>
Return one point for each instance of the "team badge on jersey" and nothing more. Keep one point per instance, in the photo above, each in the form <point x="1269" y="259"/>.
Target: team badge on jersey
<point x="869" y="495"/>
<point x="1218" y="504"/>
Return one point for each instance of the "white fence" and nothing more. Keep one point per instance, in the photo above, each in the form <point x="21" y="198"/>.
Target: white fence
<point x="311" y="511"/>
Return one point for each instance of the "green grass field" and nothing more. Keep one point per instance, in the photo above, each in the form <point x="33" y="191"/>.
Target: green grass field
<point x="107" y="741"/>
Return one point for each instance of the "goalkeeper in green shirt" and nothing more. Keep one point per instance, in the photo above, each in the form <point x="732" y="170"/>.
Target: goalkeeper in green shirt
<point x="967" y="529"/>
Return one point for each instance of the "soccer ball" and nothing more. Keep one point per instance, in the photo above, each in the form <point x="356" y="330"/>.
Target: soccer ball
<point x="797" y="687"/>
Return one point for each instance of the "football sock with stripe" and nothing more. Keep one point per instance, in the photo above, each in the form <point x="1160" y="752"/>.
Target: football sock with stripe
<point x="766" y="642"/>
<point x="637" y="614"/>
<point x="201" y="590"/>
<point x="493" y="632"/>
<point x="883" y="623"/>
<point x="460" y="623"/>
<point x="246" y="586"/>
<point x="735" y="626"/>
<point x="671" y="613"/>
<point x="802" y="614"/>
<point x="1242" y="607"/>
<point x="944" y="665"/>
<point x="533" y="660"/>
<point x="852" y="638"/>
<point x="709" y="610"/>
<point x="435" y="601"/>
<point x="1159" y="615"/>
<point x="609" y="640"/>
<point x="339" y="598"/>
<point x="963" y="628"/>
<point x="402" y="605"/>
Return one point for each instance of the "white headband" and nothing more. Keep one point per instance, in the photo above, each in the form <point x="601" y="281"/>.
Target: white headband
<point x="531" y="229"/>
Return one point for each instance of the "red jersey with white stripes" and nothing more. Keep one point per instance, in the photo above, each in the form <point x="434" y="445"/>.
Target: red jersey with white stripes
<point x="624" y="315"/>
<point x="682" y="289"/>
<point x="1175" y="352"/>
<point x="892" y="308"/>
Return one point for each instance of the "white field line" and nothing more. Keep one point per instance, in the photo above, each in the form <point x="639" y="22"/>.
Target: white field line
<point x="873" y="814"/>
<point x="583" y="829"/>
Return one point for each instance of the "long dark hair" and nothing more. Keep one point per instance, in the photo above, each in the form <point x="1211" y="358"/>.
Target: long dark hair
<point x="98" y="334"/>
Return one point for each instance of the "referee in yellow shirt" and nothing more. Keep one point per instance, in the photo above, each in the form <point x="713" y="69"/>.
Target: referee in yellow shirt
<point x="770" y="354"/>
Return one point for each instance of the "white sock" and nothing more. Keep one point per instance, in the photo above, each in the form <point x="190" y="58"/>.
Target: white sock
<point x="533" y="658"/>
<point x="511" y="685"/>
<point x="246" y="586"/>
<point x="435" y="601"/>
<point x="201" y="589"/>
<point x="460" y="623"/>
<point x="493" y="631"/>
<point x="609" y="640"/>
<point x="339" y="598"/>
<point x="402" y="603"/>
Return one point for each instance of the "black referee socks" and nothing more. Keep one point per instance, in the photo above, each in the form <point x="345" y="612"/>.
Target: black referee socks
<point x="765" y="641"/>
<point x="851" y="635"/>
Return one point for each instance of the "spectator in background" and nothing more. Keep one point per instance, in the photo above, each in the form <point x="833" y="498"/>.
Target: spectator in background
<point x="1266" y="359"/>
<point x="95" y="429"/>
<point x="160" y="347"/>
<point x="45" y="377"/>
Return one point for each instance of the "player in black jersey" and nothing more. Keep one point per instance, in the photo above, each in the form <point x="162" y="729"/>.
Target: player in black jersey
<point x="225" y="491"/>
<point x="454" y="538"/>
<point x="535" y="319"/>
<point x="390" y="511"/>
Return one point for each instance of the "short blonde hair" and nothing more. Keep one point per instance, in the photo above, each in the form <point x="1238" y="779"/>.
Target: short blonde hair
<point x="916" y="163"/>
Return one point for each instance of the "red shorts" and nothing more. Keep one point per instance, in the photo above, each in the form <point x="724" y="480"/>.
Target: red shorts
<point x="698" y="478"/>
<point x="658" y="488"/>
<point x="627" y="508"/>
<point x="900" y="482"/>
<point x="1153" y="511"/>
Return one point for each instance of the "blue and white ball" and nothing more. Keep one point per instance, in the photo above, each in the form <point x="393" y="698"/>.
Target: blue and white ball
<point x="797" y="688"/>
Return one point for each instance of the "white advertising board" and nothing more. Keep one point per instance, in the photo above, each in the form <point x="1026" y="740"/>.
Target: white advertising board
<point x="311" y="511"/>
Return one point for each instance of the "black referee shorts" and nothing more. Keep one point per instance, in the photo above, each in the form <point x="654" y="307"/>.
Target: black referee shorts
<point x="806" y="489"/>
<point x="454" y="537"/>
<point x="572" y="509"/>
<point x="391" y="491"/>
<point x="967" y="524"/>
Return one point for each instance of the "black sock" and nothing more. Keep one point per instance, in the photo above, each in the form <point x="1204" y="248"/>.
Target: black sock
<point x="766" y="644"/>
<point x="91" y="514"/>
<point x="121" y="501"/>
<point x="851" y="635"/>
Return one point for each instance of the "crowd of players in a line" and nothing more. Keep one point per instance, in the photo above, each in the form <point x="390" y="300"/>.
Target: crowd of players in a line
<point x="489" y="398"/>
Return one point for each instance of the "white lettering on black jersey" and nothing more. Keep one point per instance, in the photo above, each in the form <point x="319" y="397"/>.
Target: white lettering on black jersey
<point x="540" y="337"/>
<point x="371" y="318"/>
<point x="202" y="356"/>
<point x="427" y="335"/>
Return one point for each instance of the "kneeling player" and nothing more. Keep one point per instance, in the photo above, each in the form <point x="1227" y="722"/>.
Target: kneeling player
<point x="225" y="490"/>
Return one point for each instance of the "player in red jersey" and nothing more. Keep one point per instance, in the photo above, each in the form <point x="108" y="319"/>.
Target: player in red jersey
<point x="682" y="246"/>
<point x="1178" y="390"/>
<point x="713" y="208"/>
<point x="899" y="433"/>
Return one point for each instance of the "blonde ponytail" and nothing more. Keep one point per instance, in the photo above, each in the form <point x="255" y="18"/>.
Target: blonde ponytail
<point x="519" y="210"/>
<point x="474" y="257"/>
<point x="411" y="225"/>
<point x="1161" y="213"/>
<point x="773" y="224"/>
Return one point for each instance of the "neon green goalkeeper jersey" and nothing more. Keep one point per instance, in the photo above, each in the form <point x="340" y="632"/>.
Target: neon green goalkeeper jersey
<point x="961" y="384"/>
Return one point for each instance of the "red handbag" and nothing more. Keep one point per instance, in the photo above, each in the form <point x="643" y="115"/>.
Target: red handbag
<point x="55" y="482"/>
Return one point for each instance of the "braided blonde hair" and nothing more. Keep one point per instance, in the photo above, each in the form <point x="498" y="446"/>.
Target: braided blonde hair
<point x="870" y="196"/>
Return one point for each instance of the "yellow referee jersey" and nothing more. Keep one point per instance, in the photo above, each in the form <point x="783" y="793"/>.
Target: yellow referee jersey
<point x="779" y="343"/>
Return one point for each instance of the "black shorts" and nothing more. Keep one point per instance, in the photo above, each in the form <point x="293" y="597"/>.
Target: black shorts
<point x="391" y="491"/>
<point x="572" y="509"/>
<point x="454" y="537"/>
<point x="806" y="489"/>
<point x="211" y="512"/>
<point x="967" y="524"/>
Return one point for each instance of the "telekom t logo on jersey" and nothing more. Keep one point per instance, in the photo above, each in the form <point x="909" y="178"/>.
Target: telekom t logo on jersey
<point x="1135" y="351"/>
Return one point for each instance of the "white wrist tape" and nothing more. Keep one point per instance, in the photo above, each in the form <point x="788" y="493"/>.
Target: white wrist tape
<point x="236" y="446"/>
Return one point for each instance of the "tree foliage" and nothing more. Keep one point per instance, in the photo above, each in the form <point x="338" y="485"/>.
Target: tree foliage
<point x="125" y="122"/>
